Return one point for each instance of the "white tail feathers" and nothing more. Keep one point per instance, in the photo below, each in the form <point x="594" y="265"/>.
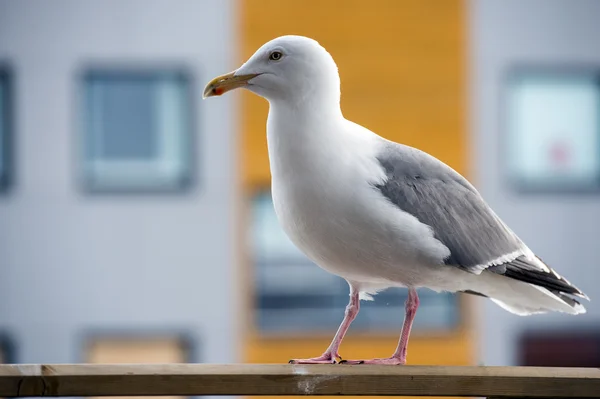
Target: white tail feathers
<point x="525" y="299"/>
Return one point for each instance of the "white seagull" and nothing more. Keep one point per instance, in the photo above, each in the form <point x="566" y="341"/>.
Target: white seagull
<point x="377" y="213"/>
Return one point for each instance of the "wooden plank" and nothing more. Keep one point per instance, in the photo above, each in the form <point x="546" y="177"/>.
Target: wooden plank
<point x="285" y="379"/>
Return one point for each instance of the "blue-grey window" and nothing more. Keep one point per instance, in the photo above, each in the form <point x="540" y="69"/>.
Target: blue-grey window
<point x="137" y="130"/>
<point x="7" y="348"/>
<point x="5" y="128"/>
<point x="293" y="294"/>
<point x="552" y="129"/>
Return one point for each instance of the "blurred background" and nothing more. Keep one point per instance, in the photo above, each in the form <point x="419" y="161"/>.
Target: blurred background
<point x="136" y="223"/>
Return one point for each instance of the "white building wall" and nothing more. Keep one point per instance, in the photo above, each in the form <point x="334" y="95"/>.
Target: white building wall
<point x="562" y="229"/>
<point x="71" y="262"/>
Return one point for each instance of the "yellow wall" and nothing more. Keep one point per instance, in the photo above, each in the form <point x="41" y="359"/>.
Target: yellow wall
<point x="402" y="66"/>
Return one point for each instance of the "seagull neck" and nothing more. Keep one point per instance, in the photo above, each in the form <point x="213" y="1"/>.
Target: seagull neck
<point x="308" y="109"/>
<point x="296" y="133"/>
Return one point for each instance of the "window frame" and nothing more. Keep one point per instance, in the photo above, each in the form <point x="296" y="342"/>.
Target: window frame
<point x="532" y="347"/>
<point x="7" y="147"/>
<point x="9" y="348"/>
<point x="179" y="185"/>
<point x="533" y="70"/>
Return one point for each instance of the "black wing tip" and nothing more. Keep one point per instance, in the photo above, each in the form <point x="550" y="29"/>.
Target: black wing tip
<point x="576" y="291"/>
<point x="550" y="280"/>
<point x="581" y="294"/>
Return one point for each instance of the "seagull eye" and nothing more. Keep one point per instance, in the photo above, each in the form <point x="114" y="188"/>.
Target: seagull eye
<point x="275" y="56"/>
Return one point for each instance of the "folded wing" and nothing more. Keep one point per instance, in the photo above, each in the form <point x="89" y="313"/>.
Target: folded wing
<point x="478" y="240"/>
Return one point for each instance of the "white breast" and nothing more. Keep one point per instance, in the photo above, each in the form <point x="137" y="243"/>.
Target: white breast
<point x="321" y="185"/>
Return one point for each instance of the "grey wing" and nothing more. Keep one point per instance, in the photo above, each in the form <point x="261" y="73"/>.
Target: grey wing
<point x="441" y="198"/>
<point x="478" y="240"/>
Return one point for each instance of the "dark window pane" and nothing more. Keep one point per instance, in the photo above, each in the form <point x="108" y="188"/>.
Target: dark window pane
<point x="297" y="301"/>
<point x="5" y="128"/>
<point x="2" y="123"/>
<point x="7" y="349"/>
<point x="560" y="349"/>
<point x="137" y="130"/>
<point x="126" y="114"/>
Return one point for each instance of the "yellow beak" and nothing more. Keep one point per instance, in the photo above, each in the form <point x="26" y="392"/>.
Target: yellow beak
<point x="224" y="83"/>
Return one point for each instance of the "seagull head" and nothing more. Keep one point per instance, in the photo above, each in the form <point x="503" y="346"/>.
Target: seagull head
<point x="288" y="68"/>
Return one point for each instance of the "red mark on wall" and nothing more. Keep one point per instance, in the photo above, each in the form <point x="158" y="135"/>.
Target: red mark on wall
<point x="560" y="154"/>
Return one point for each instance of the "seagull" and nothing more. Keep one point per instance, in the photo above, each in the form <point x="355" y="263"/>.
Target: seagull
<point x="377" y="213"/>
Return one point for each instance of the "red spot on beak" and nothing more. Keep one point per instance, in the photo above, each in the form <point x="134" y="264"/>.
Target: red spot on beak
<point x="218" y="91"/>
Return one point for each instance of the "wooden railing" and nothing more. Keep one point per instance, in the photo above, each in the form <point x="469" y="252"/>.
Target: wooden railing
<point x="285" y="379"/>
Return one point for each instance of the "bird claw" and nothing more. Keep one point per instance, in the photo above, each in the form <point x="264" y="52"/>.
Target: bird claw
<point x="323" y="359"/>
<point x="391" y="361"/>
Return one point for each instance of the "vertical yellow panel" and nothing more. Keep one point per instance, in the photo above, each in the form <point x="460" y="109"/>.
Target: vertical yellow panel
<point x="401" y="64"/>
<point x="402" y="67"/>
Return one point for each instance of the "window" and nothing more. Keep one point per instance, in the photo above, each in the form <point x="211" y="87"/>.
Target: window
<point x="555" y="348"/>
<point x="553" y="130"/>
<point x="5" y="129"/>
<point x="7" y="349"/>
<point x="293" y="295"/>
<point x="137" y="130"/>
<point x="136" y="350"/>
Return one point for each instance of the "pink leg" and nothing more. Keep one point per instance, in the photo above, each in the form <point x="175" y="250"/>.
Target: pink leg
<point x="399" y="356"/>
<point x="331" y="354"/>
